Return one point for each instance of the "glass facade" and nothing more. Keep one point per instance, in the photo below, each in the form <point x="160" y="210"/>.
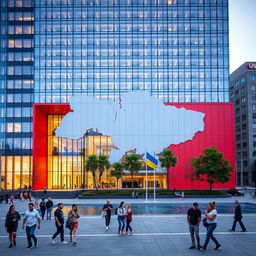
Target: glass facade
<point x="52" y="50"/>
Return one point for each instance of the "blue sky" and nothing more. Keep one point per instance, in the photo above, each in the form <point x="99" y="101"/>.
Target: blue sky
<point x="242" y="38"/>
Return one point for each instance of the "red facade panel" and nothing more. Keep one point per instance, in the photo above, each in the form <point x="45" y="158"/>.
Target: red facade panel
<point x="218" y="131"/>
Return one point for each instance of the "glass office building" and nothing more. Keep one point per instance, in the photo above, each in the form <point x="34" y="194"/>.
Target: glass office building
<point x="51" y="50"/>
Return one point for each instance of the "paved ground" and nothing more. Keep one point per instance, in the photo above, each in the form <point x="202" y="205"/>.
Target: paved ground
<point x="153" y="235"/>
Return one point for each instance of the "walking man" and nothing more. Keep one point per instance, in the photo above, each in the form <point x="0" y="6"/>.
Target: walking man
<point x="31" y="219"/>
<point x="108" y="208"/>
<point x="42" y="208"/>
<point x="238" y="217"/>
<point x="59" y="223"/>
<point x="49" y="205"/>
<point x="194" y="219"/>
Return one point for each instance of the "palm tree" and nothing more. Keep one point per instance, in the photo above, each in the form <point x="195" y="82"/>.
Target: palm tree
<point x="117" y="172"/>
<point x="167" y="160"/>
<point x="103" y="164"/>
<point x="133" y="164"/>
<point x="91" y="165"/>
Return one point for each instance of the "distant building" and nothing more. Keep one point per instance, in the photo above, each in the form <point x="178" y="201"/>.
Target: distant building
<point x="243" y="94"/>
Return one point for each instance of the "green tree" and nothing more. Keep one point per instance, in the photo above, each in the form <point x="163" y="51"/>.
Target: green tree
<point x="212" y="167"/>
<point x="167" y="160"/>
<point x="103" y="163"/>
<point x="133" y="164"/>
<point x="117" y="171"/>
<point x="91" y="165"/>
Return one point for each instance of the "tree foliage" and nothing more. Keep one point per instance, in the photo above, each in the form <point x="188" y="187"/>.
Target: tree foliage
<point x="117" y="171"/>
<point x="212" y="167"/>
<point x="167" y="160"/>
<point x="132" y="163"/>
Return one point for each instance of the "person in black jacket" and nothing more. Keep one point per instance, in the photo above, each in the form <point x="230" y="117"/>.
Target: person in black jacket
<point x="49" y="205"/>
<point x="238" y="217"/>
<point x="11" y="224"/>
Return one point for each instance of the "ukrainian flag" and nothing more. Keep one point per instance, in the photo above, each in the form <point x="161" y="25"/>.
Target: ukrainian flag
<point x="151" y="161"/>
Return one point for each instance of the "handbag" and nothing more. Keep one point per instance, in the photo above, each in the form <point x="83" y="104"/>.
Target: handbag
<point x="205" y="223"/>
<point x="103" y="214"/>
<point x="68" y="223"/>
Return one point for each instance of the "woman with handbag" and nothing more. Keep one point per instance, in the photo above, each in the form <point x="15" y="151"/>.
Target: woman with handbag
<point x="211" y="219"/>
<point x="11" y="225"/>
<point x="73" y="216"/>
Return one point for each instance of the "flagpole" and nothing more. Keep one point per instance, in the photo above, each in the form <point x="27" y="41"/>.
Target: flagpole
<point x="146" y="179"/>
<point x="154" y="183"/>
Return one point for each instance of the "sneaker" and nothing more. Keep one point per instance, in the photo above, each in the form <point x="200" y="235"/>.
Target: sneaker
<point x="64" y="242"/>
<point x="106" y="228"/>
<point x="192" y="247"/>
<point x="36" y="243"/>
<point x="53" y="242"/>
<point x="217" y="247"/>
<point x="10" y="246"/>
<point x="14" y="242"/>
<point x="244" y="230"/>
<point x="202" y="248"/>
<point x="28" y="248"/>
<point x="198" y="247"/>
<point x="74" y="244"/>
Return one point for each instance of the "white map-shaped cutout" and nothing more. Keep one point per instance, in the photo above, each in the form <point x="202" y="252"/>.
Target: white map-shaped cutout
<point x="138" y="120"/>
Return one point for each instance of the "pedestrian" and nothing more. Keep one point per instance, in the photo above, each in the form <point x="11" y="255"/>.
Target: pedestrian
<point x="182" y="195"/>
<point x="129" y="219"/>
<point x="211" y="216"/>
<point x="6" y="198"/>
<point x="11" y="224"/>
<point x="59" y="223"/>
<point x="238" y="217"/>
<point x="49" y="205"/>
<point x="73" y="216"/>
<point x="12" y="199"/>
<point x="108" y="207"/>
<point x="42" y="208"/>
<point x="31" y="219"/>
<point x="194" y="219"/>
<point x="121" y="212"/>
<point x="36" y="203"/>
<point x="29" y="195"/>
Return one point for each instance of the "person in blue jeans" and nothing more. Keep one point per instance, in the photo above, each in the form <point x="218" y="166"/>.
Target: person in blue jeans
<point x="31" y="220"/>
<point x="121" y="213"/>
<point x="49" y="206"/>
<point x="211" y="216"/>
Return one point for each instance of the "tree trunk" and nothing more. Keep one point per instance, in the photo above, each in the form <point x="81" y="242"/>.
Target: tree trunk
<point x="210" y="186"/>
<point x="94" y="180"/>
<point x="117" y="183"/>
<point x="132" y="180"/>
<point x="167" y="177"/>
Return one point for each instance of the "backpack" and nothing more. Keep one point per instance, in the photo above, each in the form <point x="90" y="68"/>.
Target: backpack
<point x="116" y="211"/>
<point x="43" y="205"/>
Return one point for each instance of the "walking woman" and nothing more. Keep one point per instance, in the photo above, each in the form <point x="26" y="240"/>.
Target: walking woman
<point x="73" y="216"/>
<point x="11" y="224"/>
<point x="128" y="219"/>
<point x="121" y="213"/>
<point x="211" y="216"/>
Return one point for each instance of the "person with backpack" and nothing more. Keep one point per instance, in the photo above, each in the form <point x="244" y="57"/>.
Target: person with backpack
<point x="121" y="213"/>
<point x="49" y="205"/>
<point x="42" y="206"/>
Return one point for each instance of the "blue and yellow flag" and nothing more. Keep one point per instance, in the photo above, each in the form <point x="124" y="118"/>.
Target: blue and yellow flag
<point x="151" y="161"/>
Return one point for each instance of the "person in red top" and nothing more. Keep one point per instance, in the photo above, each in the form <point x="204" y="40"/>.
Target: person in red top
<point x="128" y="219"/>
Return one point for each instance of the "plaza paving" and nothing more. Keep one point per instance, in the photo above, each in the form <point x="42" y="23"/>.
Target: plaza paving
<point x="153" y="234"/>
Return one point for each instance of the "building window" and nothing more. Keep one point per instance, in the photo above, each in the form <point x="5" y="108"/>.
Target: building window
<point x="243" y="79"/>
<point x="243" y="126"/>
<point x="238" y="119"/>
<point x="243" y="117"/>
<point x="253" y="77"/>
<point x="253" y="106"/>
<point x="238" y="137"/>
<point x="253" y="87"/>
<point x="254" y="144"/>
<point x="253" y="97"/>
<point x="237" y="102"/>
<point x="243" y="99"/>
<point x="253" y="115"/>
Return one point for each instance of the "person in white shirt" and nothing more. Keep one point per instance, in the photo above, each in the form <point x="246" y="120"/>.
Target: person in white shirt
<point x="31" y="219"/>
<point x="211" y="216"/>
<point x="121" y="213"/>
